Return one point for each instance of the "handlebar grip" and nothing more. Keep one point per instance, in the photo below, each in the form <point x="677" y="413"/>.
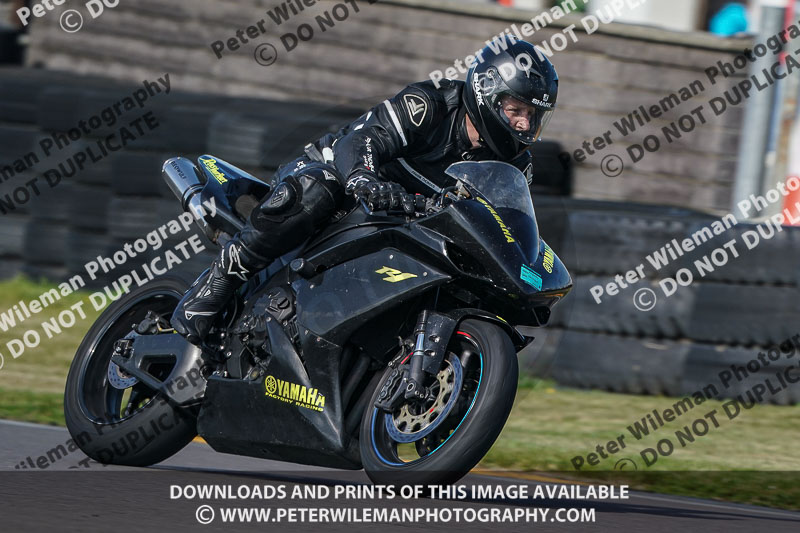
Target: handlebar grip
<point x="366" y="207"/>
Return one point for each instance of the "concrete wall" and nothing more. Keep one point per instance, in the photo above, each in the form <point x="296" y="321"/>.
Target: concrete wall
<point x="375" y="52"/>
<point x="680" y="15"/>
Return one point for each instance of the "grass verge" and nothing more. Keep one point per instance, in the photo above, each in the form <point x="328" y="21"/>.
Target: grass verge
<point x="746" y="459"/>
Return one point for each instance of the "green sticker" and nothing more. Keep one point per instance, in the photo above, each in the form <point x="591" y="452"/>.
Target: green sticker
<point x="531" y="278"/>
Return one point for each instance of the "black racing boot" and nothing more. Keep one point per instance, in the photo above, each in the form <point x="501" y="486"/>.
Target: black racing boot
<point x="209" y="295"/>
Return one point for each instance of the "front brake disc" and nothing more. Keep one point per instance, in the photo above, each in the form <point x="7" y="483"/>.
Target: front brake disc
<point x="406" y="425"/>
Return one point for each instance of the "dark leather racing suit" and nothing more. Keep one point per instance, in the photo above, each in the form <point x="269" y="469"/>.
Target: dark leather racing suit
<point x="410" y="139"/>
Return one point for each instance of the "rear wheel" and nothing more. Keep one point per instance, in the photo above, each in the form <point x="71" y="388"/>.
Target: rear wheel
<point x="438" y="441"/>
<point x="111" y="416"/>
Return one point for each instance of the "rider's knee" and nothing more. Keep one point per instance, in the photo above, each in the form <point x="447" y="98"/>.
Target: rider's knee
<point x="320" y="183"/>
<point x="315" y="190"/>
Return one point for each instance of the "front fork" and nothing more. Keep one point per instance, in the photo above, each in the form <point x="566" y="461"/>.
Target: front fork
<point x="405" y="381"/>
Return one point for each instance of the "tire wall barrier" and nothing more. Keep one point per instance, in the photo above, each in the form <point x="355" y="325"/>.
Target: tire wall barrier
<point x="53" y="232"/>
<point x="705" y="333"/>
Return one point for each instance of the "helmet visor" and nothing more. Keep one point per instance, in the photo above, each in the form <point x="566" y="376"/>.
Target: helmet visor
<point x="524" y="121"/>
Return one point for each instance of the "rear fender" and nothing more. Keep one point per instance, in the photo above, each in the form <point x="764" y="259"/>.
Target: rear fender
<point x="229" y="185"/>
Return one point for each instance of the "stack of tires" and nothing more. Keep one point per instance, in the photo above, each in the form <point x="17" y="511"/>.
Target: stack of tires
<point x="121" y="198"/>
<point x="46" y="236"/>
<point x="16" y="139"/>
<point x="76" y="205"/>
<point x="133" y="208"/>
<point x="683" y="342"/>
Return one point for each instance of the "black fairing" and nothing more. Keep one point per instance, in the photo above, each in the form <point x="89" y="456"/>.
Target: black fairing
<point x="362" y="285"/>
<point x="330" y="307"/>
<point x="477" y="245"/>
<point x="239" y="417"/>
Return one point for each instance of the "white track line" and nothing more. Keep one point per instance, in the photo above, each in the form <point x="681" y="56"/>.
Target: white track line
<point x="31" y="425"/>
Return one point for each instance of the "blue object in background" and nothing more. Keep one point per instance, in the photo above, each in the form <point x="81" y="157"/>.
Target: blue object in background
<point x="730" y="20"/>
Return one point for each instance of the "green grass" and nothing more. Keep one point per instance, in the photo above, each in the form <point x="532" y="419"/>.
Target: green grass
<point x="43" y="368"/>
<point x="549" y="426"/>
<point x="750" y="459"/>
<point x="39" y="407"/>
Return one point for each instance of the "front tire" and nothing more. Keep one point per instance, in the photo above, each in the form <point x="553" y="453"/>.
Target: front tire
<point x="488" y="384"/>
<point x="135" y="426"/>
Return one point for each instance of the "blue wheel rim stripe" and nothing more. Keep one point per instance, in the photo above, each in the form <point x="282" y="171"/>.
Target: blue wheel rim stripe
<point x="471" y="405"/>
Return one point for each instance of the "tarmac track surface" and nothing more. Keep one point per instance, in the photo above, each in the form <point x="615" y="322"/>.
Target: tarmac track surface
<point x="68" y="496"/>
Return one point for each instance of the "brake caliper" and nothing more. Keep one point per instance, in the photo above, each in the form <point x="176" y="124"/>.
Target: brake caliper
<point x="392" y="391"/>
<point x="153" y="324"/>
<point x="118" y="378"/>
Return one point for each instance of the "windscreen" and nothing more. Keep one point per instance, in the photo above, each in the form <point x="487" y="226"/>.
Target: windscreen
<point x="505" y="188"/>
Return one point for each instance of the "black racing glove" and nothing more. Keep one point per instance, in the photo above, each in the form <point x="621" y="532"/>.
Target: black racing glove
<point x="381" y="195"/>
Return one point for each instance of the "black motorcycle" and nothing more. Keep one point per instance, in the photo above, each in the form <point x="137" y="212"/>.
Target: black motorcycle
<point x="385" y="342"/>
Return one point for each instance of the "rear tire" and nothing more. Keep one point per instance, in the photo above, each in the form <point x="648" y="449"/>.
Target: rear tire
<point x="448" y="454"/>
<point x="107" y="427"/>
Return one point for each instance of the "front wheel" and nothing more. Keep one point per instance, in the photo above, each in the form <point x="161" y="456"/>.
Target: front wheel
<point x="438" y="441"/>
<point x="111" y="416"/>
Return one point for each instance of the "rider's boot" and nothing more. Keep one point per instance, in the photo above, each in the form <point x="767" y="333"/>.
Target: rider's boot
<point x="212" y="291"/>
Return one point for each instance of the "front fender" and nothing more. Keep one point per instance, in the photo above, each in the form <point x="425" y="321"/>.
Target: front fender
<point x="441" y="326"/>
<point x="519" y="340"/>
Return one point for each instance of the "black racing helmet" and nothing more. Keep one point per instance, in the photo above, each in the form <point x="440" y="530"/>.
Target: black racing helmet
<point x="515" y="68"/>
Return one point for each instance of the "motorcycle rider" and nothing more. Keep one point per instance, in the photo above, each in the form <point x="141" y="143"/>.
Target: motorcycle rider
<point x="402" y="145"/>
